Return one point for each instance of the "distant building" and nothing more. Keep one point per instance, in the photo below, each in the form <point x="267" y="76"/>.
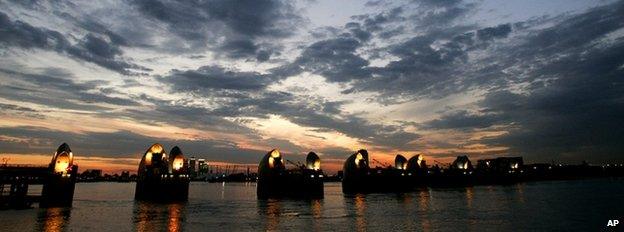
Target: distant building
<point x="202" y="167"/>
<point x="91" y="175"/>
<point x="193" y="166"/>
<point x="125" y="176"/>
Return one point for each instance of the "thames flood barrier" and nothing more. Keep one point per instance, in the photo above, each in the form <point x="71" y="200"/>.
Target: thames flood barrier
<point x="303" y="181"/>
<point x="58" y="180"/>
<point x="358" y="177"/>
<point x="58" y="189"/>
<point x="406" y="175"/>
<point x="161" y="178"/>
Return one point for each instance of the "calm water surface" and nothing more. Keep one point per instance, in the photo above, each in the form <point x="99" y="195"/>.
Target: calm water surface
<point x="584" y="205"/>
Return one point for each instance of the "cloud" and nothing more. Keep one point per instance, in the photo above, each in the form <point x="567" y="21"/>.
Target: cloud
<point x="24" y="35"/>
<point x="244" y="94"/>
<point x="463" y="120"/>
<point x="215" y="78"/>
<point x="27" y="112"/>
<point x="335" y="59"/>
<point x="421" y="69"/>
<point x="443" y="3"/>
<point x="117" y="144"/>
<point x="571" y="106"/>
<point x="382" y="23"/>
<point x="426" y="65"/>
<point x="547" y="87"/>
<point x="236" y="27"/>
<point x="323" y="115"/>
<point x="489" y="33"/>
<point x="90" y="48"/>
<point x="436" y="14"/>
<point x="54" y="88"/>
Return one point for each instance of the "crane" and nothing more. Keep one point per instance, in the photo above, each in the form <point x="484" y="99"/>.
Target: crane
<point x="442" y="164"/>
<point x="380" y="163"/>
<point x="298" y="164"/>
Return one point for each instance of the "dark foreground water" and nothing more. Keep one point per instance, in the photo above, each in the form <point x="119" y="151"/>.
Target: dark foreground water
<point x="584" y="205"/>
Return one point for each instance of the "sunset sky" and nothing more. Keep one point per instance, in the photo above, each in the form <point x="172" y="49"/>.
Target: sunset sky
<point x="230" y="80"/>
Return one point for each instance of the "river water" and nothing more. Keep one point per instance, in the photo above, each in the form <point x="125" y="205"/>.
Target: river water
<point x="582" y="205"/>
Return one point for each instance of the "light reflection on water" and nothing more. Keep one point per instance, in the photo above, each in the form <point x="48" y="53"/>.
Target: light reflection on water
<point x="53" y="219"/>
<point x="157" y="216"/>
<point x="271" y="211"/>
<point x="234" y="207"/>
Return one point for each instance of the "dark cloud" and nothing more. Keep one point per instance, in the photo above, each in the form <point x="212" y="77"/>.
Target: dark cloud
<point x="99" y="47"/>
<point x="572" y="107"/>
<point x="256" y="18"/>
<point x="439" y="3"/>
<point x="423" y="69"/>
<point x="95" y="27"/>
<point x="12" y="110"/>
<point x="117" y="144"/>
<point x="463" y="120"/>
<point x="26" y="3"/>
<point x="357" y="32"/>
<point x="247" y="48"/>
<point x="244" y="94"/>
<point x="236" y="26"/>
<point x="319" y="113"/>
<point x="373" y="3"/>
<point x="263" y="55"/>
<point x="572" y="32"/>
<point x="21" y="34"/>
<point x="214" y="78"/>
<point x="392" y="32"/>
<point x="338" y="153"/>
<point x="183" y="114"/>
<point x="53" y="88"/>
<point x="579" y="115"/>
<point x="422" y="17"/>
<point x="377" y="22"/>
<point x="335" y="59"/>
<point x="488" y="33"/>
<point x="428" y="64"/>
<point x="552" y="83"/>
<point x="90" y="48"/>
<point x="240" y="48"/>
<point x="6" y="107"/>
<point x="435" y="14"/>
<point x="385" y="24"/>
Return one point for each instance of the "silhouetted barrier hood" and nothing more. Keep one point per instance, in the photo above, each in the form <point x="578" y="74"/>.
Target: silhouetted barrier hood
<point x="63" y="159"/>
<point x="301" y="181"/>
<point x="355" y="162"/>
<point x="162" y="178"/>
<point x="416" y="162"/>
<point x="313" y="161"/>
<point x="154" y="160"/>
<point x="176" y="161"/>
<point x="400" y="162"/>
<point x="462" y="162"/>
<point x="271" y="162"/>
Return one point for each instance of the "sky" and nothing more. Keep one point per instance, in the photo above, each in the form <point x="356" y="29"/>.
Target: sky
<point x="230" y="80"/>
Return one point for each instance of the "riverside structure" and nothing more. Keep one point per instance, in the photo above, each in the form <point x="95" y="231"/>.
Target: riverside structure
<point x="161" y="178"/>
<point x="58" y="180"/>
<point x="407" y="175"/>
<point x="275" y="181"/>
